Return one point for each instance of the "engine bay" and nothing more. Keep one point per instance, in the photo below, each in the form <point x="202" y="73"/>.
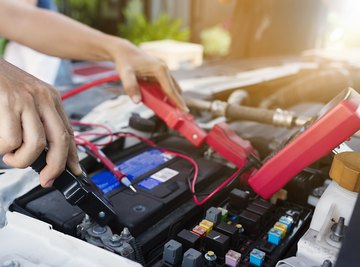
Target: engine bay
<point x="195" y="203"/>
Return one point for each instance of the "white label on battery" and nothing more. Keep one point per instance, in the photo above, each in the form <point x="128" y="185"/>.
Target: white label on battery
<point x="164" y="174"/>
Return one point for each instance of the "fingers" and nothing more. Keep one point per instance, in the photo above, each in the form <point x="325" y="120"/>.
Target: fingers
<point x="171" y="88"/>
<point x="177" y="86"/>
<point x="130" y="84"/>
<point x="31" y="115"/>
<point x="47" y="123"/>
<point x="73" y="159"/>
<point x="132" y="63"/>
<point x="10" y="130"/>
<point x="33" y="139"/>
<point x="58" y="140"/>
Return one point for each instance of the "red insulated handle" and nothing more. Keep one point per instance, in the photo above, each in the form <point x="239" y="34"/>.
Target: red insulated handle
<point x="228" y="144"/>
<point x="154" y="98"/>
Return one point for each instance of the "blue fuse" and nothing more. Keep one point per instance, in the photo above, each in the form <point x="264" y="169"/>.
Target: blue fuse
<point x="274" y="236"/>
<point x="257" y="257"/>
<point x="234" y="218"/>
<point x="287" y="221"/>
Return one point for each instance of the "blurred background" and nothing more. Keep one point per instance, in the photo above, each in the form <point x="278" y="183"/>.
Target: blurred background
<point x="225" y="28"/>
<point x="267" y="48"/>
<point x="235" y="28"/>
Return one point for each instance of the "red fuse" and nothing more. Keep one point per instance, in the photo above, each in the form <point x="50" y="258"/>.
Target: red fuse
<point x="198" y="230"/>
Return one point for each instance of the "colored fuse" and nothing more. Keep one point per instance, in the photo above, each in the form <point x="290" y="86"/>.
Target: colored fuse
<point x="224" y="213"/>
<point x="287" y="221"/>
<point x="207" y="225"/>
<point x="198" y="230"/>
<point x="240" y="228"/>
<point x="232" y="258"/>
<point x="281" y="227"/>
<point x="257" y="257"/>
<point x="234" y="218"/>
<point x="274" y="236"/>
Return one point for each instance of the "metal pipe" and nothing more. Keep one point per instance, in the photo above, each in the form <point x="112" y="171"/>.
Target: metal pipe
<point x="219" y="108"/>
<point x="198" y="104"/>
<point x="236" y="112"/>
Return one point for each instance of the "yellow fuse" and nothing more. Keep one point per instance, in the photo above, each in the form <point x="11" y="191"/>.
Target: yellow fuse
<point x="282" y="228"/>
<point x="240" y="228"/>
<point x="207" y="225"/>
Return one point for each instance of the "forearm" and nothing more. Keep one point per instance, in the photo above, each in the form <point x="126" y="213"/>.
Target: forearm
<point x="55" y="34"/>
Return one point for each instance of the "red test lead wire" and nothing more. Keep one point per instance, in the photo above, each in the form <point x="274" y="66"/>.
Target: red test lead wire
<point x="87" y="86"/>
<point x="187" y="158"/>
<point x="94" y="125"/>
<point x="120" y="176"/>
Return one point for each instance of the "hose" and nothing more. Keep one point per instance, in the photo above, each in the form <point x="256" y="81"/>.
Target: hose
<point x="218" y="108"/>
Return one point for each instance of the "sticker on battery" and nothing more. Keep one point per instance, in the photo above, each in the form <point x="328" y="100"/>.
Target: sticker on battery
<point x="164" y="174"/>
<point x="133" y="168"/>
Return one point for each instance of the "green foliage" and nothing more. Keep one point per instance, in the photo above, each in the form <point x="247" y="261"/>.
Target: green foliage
<point x="2" y="46"/>
<point x="85" y="11"/>
<point x="138" y="29"/>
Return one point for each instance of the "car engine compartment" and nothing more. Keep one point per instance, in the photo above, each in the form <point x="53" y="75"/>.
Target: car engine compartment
<point x="302" y="224"/>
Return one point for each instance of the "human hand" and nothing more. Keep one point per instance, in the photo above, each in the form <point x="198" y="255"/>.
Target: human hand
<point x="132" y="63"/>
<point x="32" y="118"/>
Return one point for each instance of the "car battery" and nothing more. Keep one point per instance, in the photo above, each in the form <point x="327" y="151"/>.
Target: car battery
<point x="162" y="184"/>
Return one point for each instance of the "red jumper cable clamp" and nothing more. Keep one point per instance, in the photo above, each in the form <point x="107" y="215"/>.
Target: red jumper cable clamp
<point x="221" y="137"/>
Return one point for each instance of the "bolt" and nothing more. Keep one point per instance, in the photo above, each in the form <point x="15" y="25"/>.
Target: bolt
<point x="115" y="241"/>
<point x="102" y="215"/>
<point x="318" y="191"/>
<point x="125" y="233"/>
<point x="338" y="230"/>
<point x="240" y="228"/>
<point x="195" y="136"/>
<point x="87" y="219"/>
<point x="99" y="230"/>
<point x="326" y="263"/>
<point x="210" y="258"/>
<point x="10" y="263"/>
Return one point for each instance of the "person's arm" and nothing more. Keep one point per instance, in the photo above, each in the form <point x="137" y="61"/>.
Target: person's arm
<point x="32" y="117"/>
<point x="58" y="35"/>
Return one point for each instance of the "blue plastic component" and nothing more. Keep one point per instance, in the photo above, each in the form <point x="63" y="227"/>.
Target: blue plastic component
<point x="234" y="218"/>
<point x="274" y="236"/>
<point x="133" y="168"/>
<point x="287" y="221"/>
<point x="257" y="257"/>
<point x="149" y="183"/>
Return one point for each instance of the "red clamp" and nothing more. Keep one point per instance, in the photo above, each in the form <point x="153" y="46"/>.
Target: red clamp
<point x="222" y="138"/>
<point x="228" y="144"/>
<point x="154" y="98"/>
